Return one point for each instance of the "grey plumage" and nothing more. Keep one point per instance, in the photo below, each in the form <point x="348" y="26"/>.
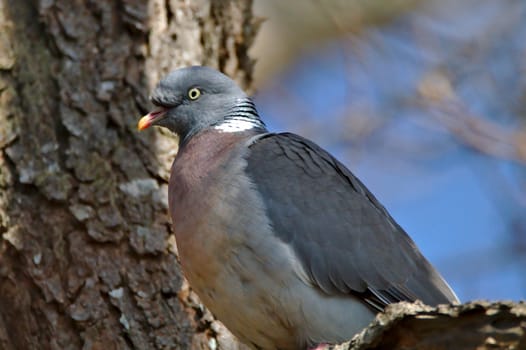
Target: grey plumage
<point x="280" y="240"/>
<point x="343" y="236"/>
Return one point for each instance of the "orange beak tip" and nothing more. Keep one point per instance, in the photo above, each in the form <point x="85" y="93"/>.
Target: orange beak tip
<point x="150" y="118"/>
<point x="144" y="122"/>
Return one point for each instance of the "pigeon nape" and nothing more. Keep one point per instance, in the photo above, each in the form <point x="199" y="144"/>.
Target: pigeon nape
<point x="278" y="238"/>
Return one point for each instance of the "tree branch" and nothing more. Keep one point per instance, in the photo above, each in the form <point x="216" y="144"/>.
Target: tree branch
<point x="477" y="325"/>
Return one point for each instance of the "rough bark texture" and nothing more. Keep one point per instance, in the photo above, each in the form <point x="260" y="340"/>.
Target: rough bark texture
<point x="470" y="326"/>
<point x="87" y="259"/>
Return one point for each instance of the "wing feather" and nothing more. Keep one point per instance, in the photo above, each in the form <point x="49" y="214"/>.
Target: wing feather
<point x="344" y="238"/>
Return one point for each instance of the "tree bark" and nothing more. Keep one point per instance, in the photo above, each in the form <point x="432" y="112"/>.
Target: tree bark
<point x="87" y="259"/>
<point x="476" y="325"/>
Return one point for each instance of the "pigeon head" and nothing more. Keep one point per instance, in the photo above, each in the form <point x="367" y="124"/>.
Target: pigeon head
<point x="193" y="99"/>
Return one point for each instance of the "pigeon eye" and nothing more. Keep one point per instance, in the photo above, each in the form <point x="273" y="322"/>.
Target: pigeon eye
<point x="194" y="93"/>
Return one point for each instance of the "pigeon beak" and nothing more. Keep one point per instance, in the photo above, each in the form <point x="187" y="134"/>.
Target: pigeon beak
<point x="151" y="118"/>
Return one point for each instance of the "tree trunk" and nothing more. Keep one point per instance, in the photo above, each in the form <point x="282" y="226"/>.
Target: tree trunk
<point x="87" y="259"/>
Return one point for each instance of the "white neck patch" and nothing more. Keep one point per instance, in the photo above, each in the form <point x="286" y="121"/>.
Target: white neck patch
<point x="236" y="125"/>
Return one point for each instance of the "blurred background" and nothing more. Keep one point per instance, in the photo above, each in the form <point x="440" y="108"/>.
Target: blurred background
<point x="425" y="101"/>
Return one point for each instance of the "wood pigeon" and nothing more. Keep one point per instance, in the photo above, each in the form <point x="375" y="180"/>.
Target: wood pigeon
<point x="278" y="238"/>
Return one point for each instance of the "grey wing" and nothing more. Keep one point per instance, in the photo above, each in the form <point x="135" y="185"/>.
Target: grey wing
<point x="344" y="238"/>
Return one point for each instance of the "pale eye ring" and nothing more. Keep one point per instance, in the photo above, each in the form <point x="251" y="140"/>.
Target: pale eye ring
<point x="194" y="93"/>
